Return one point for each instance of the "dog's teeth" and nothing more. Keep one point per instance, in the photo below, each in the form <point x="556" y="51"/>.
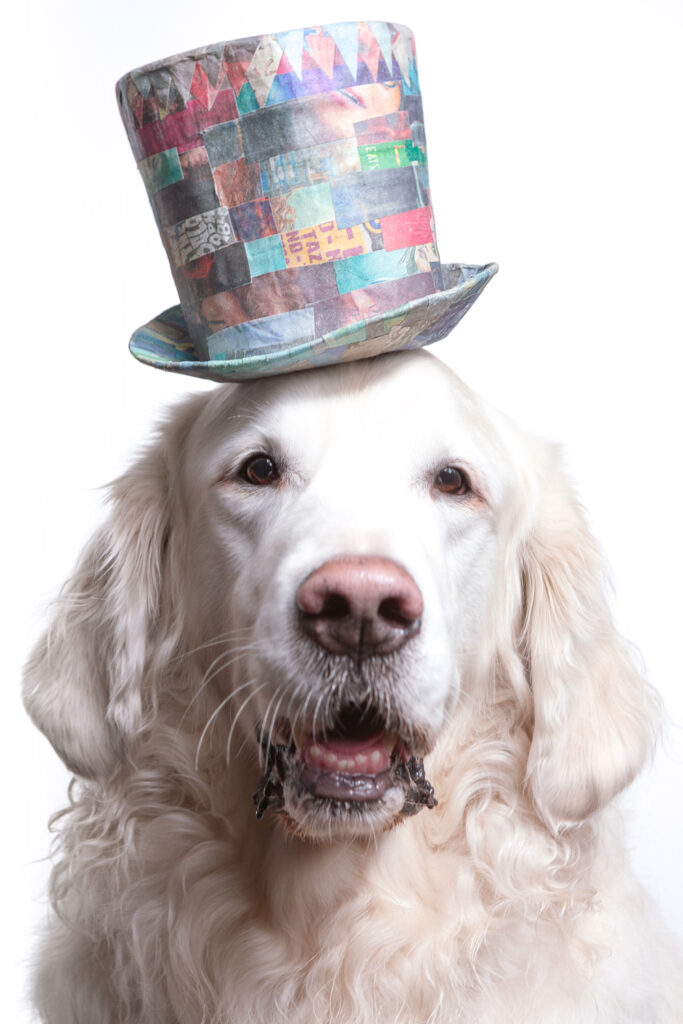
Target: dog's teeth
<point x="368" y="761"/>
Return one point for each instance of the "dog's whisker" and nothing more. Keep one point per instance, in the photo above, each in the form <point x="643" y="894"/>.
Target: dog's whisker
<point x="316" y="709"/>
<point x="210" y="675"/>
<point x="265" y="729"/>
<point x="213" y="716"/>
<point x="219" y="639"/>
<point x="233" y="726"/>
<point x="233" y="655"/>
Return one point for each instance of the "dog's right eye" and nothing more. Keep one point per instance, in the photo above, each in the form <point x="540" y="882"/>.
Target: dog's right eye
<point x="259" y="470"/>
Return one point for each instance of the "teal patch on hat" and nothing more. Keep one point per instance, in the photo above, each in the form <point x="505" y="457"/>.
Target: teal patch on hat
<point x="265" y="255"/>
<point x="160" y="170"/>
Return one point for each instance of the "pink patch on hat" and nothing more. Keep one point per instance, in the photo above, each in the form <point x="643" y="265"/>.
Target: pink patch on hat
<point x="413" y="227"/>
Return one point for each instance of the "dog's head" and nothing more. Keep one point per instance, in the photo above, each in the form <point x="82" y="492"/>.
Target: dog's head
<point x="353" y="556"/>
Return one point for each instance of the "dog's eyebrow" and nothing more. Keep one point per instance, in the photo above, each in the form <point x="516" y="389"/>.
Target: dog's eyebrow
<point x="229" y="454"/>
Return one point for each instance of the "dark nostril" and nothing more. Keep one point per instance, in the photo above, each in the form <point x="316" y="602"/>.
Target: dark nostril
<point x="393" y="610"/>
<point x="335" y="606"/>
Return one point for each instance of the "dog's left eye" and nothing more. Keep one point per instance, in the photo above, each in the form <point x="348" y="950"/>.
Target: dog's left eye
<point x="452" y="480"/>
<point x="259" y="470"/>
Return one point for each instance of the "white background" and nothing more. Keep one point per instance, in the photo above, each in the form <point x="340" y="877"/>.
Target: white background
<point x="554" y="136"/>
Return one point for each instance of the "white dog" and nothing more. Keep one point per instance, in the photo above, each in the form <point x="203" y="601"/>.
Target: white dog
<point x="363" y="600"/>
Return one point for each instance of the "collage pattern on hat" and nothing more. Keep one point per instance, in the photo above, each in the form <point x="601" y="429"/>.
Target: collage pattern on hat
<point x="288" y="177"/>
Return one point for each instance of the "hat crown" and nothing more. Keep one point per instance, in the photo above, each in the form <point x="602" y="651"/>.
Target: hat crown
<point x="288" y="177"/>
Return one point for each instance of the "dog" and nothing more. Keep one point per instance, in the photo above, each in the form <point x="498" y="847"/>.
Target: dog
<point x="347" y="714"/>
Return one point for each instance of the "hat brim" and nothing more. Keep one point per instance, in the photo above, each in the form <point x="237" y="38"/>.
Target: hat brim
<point x="165" y="342"/>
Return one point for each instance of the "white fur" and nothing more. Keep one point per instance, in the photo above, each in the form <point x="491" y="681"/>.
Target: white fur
<point x="510" y="901"/>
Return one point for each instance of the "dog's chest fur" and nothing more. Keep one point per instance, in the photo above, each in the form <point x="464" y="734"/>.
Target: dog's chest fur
<point x="405" y="928"/>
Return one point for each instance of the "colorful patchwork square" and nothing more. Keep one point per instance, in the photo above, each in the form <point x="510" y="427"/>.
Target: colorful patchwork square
<point x="294" y="289"/>
<point x="178" y="130"/>
<point x="253" y="220"/>
<point x="311" y="166"/>
<point x="335" y="312"/>
<point x="229" y="268"/>
<point x="413" y="227"/>
<point x="265" y="255"/>
<point x="373" y="194"/>
<point x="296" y="326"/>
<point x="324" y="242"/>
<point x="237" y="182"/>
<point x="391" y="154"/>
<point x="200" y="235"/>
<point x="304" y="207"/>
<point x="385" y="128"/>
<point x="303" y="123"/>
<point x="183" y="129"/>
<point x="386" y="296"/>
<point x="160" y="170"/>
<point x="223" y="143"/>
<point x="385" y="154"/>
<point x="195" y="193"/>
<point x="273" y="130"/>
<point x="374" y="267"/>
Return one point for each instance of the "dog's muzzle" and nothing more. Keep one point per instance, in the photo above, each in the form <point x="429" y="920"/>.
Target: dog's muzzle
<point x="353" y="764"/>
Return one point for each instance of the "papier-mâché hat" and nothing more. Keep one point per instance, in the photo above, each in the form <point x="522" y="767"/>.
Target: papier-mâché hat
<point x="288" y="177"/>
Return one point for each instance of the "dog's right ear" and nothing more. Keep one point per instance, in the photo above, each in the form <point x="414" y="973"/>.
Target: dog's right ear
<point x="83" y="680"/>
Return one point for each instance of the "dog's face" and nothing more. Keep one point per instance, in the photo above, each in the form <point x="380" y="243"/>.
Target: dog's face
<point x="348" y="529"/>
<point x="348" y="560"/>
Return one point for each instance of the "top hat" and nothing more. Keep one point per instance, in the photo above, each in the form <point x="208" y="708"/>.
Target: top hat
<point x="288" y="177"/>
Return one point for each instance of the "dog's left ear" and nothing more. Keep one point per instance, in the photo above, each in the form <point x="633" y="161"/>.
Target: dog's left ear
<point x="83" y="680"/>
<point x="595" y="718"/>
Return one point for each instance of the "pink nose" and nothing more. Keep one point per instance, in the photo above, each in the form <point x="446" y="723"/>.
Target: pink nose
<point x="360" y="605"/>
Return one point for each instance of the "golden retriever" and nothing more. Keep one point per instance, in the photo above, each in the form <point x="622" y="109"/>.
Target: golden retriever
<point x="347" y="713"/>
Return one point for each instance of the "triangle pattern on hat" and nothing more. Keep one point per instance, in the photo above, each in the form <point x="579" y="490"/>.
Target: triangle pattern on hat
<point x="237" y="75"/>
<point x="322" y="48"/>
<point x="201" y="87"/>
<point x="133" y="98"/>
<point x="162" y="83"/>
<point x="263" y="67"/>
<point x="403" y="51"/>
<point x="346" y="37"/>
<point x="137" y="107"/>
<point x="183" y="73"/>
<point x="285" y="67"/>
<point x="292" y="44"/>
<point x="382" y="34"/>
<point x="142" y="83"/>
<point x="369" y="48"/>
<point x="213" y="66"/>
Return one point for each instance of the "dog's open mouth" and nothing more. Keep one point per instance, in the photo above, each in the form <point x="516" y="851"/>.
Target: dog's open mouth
<point x="354" y="763"/>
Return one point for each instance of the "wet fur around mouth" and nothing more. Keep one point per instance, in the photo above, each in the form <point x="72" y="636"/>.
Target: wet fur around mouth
<point x="281" y="762"/>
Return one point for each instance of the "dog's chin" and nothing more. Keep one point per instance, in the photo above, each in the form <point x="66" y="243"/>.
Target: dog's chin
<point x="325" y="818"/>
<point x="356" y="778"/>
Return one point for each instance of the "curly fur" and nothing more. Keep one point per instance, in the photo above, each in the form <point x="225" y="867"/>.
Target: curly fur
<point x="512" y="900"/>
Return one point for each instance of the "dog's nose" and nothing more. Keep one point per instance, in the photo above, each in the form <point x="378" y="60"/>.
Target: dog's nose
<point x="360" y="605"/>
